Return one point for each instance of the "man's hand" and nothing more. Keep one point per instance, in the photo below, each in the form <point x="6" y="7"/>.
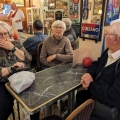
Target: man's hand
<point x="51" y="57"/>
<point x="86" y="79"/>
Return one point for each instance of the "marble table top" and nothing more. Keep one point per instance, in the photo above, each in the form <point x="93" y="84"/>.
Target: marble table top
<point x="50" y="85"/>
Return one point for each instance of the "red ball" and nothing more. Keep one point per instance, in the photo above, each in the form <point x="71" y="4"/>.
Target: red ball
<point x="87" y="62"/>
<point x="15" y="36"/>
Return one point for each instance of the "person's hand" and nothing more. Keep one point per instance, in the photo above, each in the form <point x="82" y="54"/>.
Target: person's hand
<point x="51" y="57"/>
<point x="5" y="43"/>
<point x="20" y="65"/>
<point x="86" y="79"/>
<point x="11" y="12"/>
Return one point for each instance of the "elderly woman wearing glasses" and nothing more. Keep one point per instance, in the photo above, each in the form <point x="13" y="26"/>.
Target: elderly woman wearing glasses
<point x="57" y="48"/>
<point x="11" y="54"/>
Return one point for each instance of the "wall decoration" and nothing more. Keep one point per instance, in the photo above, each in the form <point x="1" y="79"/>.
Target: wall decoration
<point x="59" y="4"/>
<point x="65" y="13"/>
<point x="89" y="5"/>
<point x="58" y="15"/>
<point x="75" y="14"/>
<point x="85" y="9"/>
<point x="75" y="1"/>
<point x="71" y="3"/>
<point x="51" y="4"/>
<point x="49" y="14"/>
<point x="45" y="3"/>
<point x="112" y="11"/>
<point x="97" y="6"/>
<point x="48" y="23"/>
<point x="75" y="7"/>
<point x="19" y="2"/>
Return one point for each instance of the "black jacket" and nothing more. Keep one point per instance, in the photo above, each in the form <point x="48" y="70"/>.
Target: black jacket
<point x="106" y="85"/>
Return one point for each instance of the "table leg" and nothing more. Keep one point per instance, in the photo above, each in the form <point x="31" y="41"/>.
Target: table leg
<point x="18" y="109"/>
<point x="71" y="101"/>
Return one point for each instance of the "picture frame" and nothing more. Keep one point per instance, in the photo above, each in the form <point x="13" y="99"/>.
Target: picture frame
<point x="19" y="3"/>
<point x="97" y="6"/>
<point x="49" y="14"/>
<point x="59" y="4"/>
<point x="51" y="4"/>
<point x="112" y="12"/>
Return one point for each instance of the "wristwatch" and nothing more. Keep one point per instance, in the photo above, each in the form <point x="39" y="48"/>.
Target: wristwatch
<point x="9" y="69"/>
<point x="14" y="49"/>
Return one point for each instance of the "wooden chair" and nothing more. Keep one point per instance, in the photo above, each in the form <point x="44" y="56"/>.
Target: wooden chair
<point x="82" y="112"/>
<point x="38" y="55"/>
<point x="35" y="63"/>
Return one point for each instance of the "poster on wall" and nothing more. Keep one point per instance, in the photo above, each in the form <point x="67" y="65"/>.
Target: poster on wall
<point x="58" y="15"/>
<point x="51" y="4"/>
<point x="59" y="4"/>
<point x="65" y="13"/>
<point x="85" y="9"/>
<point x="97" y="6"/>
<point x="19" y="2"/>
<point x="112" y="11"/>
<point x="75" y="7"/>
<point x="49" y="14"/>
<point x="45" y="3"/>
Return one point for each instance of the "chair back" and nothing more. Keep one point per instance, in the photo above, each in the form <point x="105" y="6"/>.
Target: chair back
<point x="82" y="112"/>
<point x="34" y="63"/>
<point x="75" y="44"/>
<point x="38" y="55"/>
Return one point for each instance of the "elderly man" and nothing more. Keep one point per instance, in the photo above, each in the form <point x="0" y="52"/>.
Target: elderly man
<point x="102" y="80"/>
<point x="16" y="16"/>
<point x="69" y="32"/>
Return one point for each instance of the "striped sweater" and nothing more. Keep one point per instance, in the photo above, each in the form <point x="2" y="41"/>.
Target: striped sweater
<point x="62" y="48"/>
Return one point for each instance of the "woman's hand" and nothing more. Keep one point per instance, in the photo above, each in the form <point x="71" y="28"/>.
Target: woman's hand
<point x="20" y="65"/>
<point x="86" y="79"/>
<point x="6" y="44"/>
<point x="51" y="57"/>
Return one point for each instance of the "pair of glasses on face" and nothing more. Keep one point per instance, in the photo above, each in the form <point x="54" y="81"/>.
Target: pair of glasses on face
<point x="58" y="28"/>
<point x="6" y="34"/>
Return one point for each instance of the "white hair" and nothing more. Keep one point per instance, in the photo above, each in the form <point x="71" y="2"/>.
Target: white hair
<point x="115" y="27"/>
<point x="67" y="22"/>
<point x="57" y="23"/>
<point x="4" y="25"/>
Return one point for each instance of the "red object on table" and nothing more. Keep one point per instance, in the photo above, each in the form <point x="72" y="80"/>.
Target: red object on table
<point x="87" y="62"/>
<point x="15" y="36"/>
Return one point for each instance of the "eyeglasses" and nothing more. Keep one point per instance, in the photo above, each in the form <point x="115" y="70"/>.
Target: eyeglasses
<point x="4" y="34"/>
<point x="105" y="35"/>
<point x="60" y="28"/>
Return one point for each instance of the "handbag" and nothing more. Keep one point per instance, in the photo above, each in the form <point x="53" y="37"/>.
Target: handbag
<point x="104" y="112"/>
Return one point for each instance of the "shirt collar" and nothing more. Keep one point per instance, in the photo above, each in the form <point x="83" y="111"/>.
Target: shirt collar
<point x="115" y="55"/>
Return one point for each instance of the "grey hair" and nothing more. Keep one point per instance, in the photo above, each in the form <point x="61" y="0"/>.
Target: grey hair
<point x="57" y="23"/>
<point x="67" y="22"/>
<point x="4" y="25"/>
<point x="115" y="27"/>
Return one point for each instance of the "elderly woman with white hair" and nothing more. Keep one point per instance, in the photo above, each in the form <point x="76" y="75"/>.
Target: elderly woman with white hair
<point x="57" y="48"/>
<point x="69" y="32"/>
<point x="11" y="54"/>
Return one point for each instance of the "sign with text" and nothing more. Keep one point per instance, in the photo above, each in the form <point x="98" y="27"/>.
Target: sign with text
<point x="90" y="29"/>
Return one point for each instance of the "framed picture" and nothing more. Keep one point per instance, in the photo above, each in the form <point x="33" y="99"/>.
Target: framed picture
<point x="59" y="4"/>
<point x="97" y="6"/>
<point x="112" y="12"/>
<point x="49" y="14"/>
<point x="51" y="4"/>
<point x="19" y="2"/>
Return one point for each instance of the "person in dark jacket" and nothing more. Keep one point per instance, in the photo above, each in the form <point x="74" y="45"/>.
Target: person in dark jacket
<point x="69" y="32"/>
<point x="32" y="42"/>
<point x="102" y="80"/>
